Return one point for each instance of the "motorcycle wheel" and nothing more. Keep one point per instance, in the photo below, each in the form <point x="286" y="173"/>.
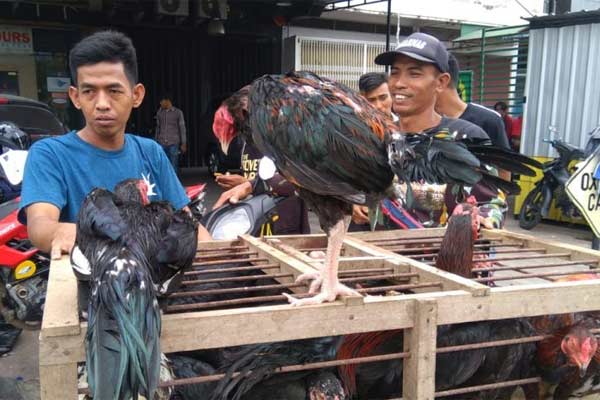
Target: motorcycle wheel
<point x="531" y="210"/>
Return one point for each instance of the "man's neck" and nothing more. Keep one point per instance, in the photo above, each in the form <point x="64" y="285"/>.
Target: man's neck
<point x="115" y="142"/>
<point x="420" y="122"/>
<point x="454" y="107"/>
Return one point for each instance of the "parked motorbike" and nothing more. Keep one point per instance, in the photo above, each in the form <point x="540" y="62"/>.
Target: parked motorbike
<point x="23" y="268"/>
<point x="248" y="216"/>
<point x="552" y="186"/>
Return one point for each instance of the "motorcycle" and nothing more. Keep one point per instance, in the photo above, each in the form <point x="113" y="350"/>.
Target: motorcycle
<point x="556" y="173"/>
<point x="249" y="215"/>
<point x="23" y="268"/>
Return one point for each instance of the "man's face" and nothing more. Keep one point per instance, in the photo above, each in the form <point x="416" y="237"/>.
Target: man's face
<point x="380" y="98"/>
<point x="165" y="104"/>
<point x="500" y="111"/>
<point x="105" y="96"/>
<point x="414" y="85"/>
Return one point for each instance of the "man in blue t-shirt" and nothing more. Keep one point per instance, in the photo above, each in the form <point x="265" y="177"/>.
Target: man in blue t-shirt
<point x="61" y="171"/>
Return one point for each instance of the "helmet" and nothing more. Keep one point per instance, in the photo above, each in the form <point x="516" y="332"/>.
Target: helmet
<point x="11" y="137"/>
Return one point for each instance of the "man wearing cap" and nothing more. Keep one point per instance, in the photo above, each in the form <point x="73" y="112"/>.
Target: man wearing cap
<point x="419" y="74"/>
<point x="450" y="104"/>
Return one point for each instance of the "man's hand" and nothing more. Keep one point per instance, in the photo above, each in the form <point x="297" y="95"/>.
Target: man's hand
<point x="360" y="214"/>
<point x="64" y="240"/>
<point x="46" y="233"/>
<point x="230" y="181"/>
<point x="234" y="195"/>
<point x="183" y="148"/>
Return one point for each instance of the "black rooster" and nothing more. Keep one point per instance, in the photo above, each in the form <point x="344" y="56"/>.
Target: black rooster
<point x="257" y="364"/>
<point x="129" y="251"/>
<point x="338" y="150"/>
<point x="382" y="380"/>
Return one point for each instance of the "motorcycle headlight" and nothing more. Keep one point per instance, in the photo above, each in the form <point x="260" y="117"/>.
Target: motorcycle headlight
<point x="230" y="225"/>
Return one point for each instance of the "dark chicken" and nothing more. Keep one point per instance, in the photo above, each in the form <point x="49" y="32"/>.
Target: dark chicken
<point x="383" y="380"/>
<point x="188" y="367"/>
<point x="456" y="254"/>
<point x="258" y="363"/>
<point x="456" y="249"/>
<point x="570" y="356"/>
<point x="338" y="150"/>
<point x="130" y="252"/>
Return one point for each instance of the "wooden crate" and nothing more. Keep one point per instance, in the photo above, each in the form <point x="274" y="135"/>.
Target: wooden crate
<point x="438" y="298"/>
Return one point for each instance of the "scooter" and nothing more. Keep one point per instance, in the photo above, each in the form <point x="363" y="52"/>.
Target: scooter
<point x="247" y="216"/>
<point x="552" y="186"/>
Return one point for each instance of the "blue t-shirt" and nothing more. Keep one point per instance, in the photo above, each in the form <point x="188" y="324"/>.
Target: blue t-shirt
<point x="63" y="170"/>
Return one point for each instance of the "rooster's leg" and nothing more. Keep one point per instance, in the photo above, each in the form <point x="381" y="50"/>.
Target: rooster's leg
<point x="329" y="282"/>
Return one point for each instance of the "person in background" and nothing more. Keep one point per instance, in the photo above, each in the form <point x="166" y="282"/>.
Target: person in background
<point x="502" y="109"/>
<point x="170" y="130"/>
<point x="451" y="105"/>
<point x="373" y="86"/>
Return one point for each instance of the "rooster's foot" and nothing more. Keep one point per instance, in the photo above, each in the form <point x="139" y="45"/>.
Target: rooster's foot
<point x="327" y="294"/>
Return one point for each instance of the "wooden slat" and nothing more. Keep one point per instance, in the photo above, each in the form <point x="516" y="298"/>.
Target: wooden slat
<point x="418" y="378"/>
<point x="288" y="264"/>
<point x="400" y="234"/>
<point x="58" y="382"/>
<point x="426" y="273"/>
<point x="61" y="308"/>
<point x="577" y="253"/>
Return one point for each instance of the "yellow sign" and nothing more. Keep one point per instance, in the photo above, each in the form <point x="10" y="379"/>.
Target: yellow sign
<point x="584" y="191"/>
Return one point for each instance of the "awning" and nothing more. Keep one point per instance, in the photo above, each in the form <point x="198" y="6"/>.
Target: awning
<point x="492" y="32"/>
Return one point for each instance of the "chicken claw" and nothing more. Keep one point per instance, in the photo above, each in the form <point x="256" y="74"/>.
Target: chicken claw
<point x="327" y="294"/>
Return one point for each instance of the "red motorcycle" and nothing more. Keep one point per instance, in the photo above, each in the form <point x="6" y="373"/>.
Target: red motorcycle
<point x="24" y="269"/>
<point x="23" y="272"/>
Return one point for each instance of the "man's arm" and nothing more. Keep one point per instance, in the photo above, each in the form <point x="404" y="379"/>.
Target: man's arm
<point x="46" y="233"/>
<point x="182" y="132"/>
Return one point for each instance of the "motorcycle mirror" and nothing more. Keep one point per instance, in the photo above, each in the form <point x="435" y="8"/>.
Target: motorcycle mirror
<point x="12" y="165"/>
<point x="266" y="168"/>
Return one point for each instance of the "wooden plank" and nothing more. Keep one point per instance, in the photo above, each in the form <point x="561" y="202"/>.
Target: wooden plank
<point x="234" y="327"/>
<point x="399" y="234"/>
<point x="316" y="240"/>
<point x="426" y="273"/>
<point x="345" y="263"/>
<point x="288" y="264"/>
<point x="58" y="382"/>
<point x="577" y="253"/>
<point x="213" y="329"/>
<point x="418" y="378"/>
<point x="217" y="244"/>
<point x="61" y="315"/>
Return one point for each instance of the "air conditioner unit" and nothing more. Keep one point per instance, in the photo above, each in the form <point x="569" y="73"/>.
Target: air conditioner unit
<point x="173" y="7"/>
<point x="212" y="9"/>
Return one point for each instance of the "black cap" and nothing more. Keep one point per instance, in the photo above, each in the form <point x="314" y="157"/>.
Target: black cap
<point x="420" y="46"/>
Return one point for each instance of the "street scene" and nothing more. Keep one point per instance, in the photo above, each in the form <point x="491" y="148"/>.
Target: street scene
<point x="312" y="199"/>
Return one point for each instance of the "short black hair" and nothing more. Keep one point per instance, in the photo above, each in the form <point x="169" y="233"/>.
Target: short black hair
<point x="371" y="81"/>
<point x="167" y="96"/>
<point x="105" y="46"/>
<point x="453" y="70"/>
<point x="503" y="106"/>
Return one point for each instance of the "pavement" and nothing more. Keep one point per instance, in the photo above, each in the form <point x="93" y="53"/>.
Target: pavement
<point x="19" y="372"/>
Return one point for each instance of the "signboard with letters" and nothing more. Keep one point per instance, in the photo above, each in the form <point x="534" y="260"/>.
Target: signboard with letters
<point x="15" y="40"/>
<point x="583" y="189"/>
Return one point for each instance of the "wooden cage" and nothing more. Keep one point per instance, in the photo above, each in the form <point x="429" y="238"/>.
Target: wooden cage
<point x="418" y="299"/>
